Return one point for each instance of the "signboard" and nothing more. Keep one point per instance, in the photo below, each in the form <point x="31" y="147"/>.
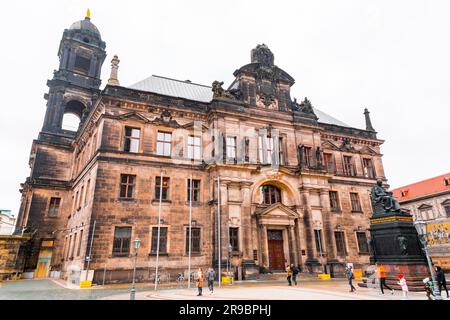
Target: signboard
<point x="438" y="233"/>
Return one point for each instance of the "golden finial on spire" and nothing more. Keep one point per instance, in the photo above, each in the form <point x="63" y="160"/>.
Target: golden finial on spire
<point x="88" y="13"/>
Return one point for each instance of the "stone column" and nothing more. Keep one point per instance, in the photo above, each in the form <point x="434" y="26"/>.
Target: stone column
<point x="310" y="247"/>
<point x="293" y="242"/>
<point x="224" y="221"/>
<point x="299" y="242"/>
<point x="246" y="223"/>
<point x="327" y="231"/>
<point x="264" y="245"/>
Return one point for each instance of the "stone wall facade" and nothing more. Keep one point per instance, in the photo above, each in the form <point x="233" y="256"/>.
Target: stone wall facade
<point x="267" y="169"/>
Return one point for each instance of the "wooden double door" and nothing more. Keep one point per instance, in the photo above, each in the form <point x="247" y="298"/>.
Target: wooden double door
<point x="276" y="250"/>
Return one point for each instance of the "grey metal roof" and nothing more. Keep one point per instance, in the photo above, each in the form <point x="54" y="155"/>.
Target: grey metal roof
<point x="202" y="93"/>
<point x="175" y="88"/>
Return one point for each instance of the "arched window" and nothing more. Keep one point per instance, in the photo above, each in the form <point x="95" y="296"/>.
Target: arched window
<point x="270" y="194"/>
<point x="72" y="115"/>
<point x="71" y="122"/>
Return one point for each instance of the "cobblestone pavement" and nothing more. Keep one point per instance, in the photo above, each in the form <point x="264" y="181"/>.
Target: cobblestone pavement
<point x="50" y="290"/>
<point x="332" y="290"/>
<point x="311" y="290"/>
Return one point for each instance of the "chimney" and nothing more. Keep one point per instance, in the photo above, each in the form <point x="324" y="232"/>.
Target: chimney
<point x="368" y="122"/>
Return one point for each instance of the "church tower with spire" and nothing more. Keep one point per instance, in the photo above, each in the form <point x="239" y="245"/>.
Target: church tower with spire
<point x="75" y="85"/>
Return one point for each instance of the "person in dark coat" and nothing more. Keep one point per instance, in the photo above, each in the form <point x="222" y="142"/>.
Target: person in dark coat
<point x="440" y="277"/>
<point x="295" y="272"/>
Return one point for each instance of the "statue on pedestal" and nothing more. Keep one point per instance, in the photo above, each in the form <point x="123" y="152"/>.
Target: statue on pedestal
<point x="382" y="200"/>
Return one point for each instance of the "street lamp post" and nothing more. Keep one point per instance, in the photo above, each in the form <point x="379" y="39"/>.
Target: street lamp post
<point x="421" y="227"/>
<point x="137" y="244"/>
<point x="230" y="249"/>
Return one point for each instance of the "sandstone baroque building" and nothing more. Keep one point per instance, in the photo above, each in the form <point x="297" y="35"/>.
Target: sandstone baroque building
<point x="294" y="182"/>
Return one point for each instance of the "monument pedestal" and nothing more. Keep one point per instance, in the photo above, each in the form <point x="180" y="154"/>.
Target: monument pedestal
<point x="395" y="244"/>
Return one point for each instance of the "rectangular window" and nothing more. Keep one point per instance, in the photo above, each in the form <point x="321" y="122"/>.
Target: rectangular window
<point x="77" y="199"/>
<point x="195" y="240"/>
<point x="80" y="242"/>
<point x="164" y="143"/>
<point x="369" y="170"/>
<point x="53" y="209"/>
<point x="307" y="156"/>
<point x="162" y="240"/>
<point x="328" y="162"/>
<point x="69" y="247"/>
<point x="122" y="239"/>
<point x="194" y="147"/>
<point x="234" y="239"/>
<point x="81" y="198"/>
<point x="334" y="201"/>
<point x="280" y="151"/>
<point x="82" y="64"/>
<point x="195" y="190"/>
<point x="363" y="246"/>
<point x="127" y="184"/>
<point x="340" y="243"/>
<point x="165" y="188"/>
<point x="87" y="193"/>
<point x="356" y="204"/>
<point x="270" y="150"/>
<point x="231" y="148"/>
<point x="74" y="244"/>
<point x="319" y="241"/>
<point x="447" y="209"/>
<point x="261" y="149"/>
<point x="132" y="138"/>
<point x="349" y="169"/>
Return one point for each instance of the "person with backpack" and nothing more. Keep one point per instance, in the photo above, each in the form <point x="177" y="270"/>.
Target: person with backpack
<point x="210" y="276"/>
<point x="350" y="277"/>
<point x="295" y="272"/>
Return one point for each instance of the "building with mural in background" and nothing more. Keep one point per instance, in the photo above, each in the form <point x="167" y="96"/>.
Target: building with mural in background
<point x="429" y="200"/>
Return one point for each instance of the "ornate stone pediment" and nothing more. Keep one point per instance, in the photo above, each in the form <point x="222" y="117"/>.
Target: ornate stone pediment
<point x="277" y="211"/>
<point x="326" y="144"/>
<point x="368" y="150"/>
<point x="134" y="115"/>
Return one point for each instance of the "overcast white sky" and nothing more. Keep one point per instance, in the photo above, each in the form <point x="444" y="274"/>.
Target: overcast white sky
<point x="392" y="57"/>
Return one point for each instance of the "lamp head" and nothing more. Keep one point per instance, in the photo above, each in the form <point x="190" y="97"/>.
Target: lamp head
<point x="137" y="243"/>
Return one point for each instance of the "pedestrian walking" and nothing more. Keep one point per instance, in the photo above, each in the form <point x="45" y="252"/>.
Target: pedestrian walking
<point x="289" y="274"/>
<point x="295" y="272"/>
<point x="200" y="277"/>
<point x="381" y="274"/>
<point x="428" y="285"/>
<point x="350" y="277"/>
<point x="404" y="285"/>
<point x="210" y="276"/>
<point x="440" y="277"/>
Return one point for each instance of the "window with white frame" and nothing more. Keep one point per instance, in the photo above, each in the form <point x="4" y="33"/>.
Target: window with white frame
<point x="164" y="143"/>
<point x="194" y="147"/>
